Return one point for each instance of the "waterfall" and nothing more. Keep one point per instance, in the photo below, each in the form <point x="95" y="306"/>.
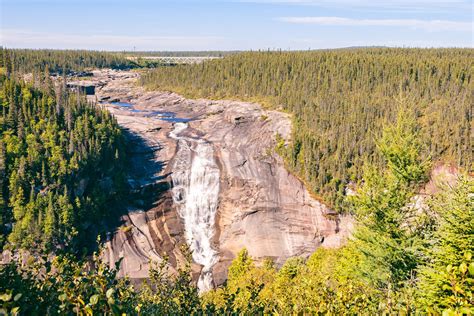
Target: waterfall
<point x="195" y="192"/>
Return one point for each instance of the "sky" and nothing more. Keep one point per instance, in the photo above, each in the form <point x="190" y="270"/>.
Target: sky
<point x="145" y="25"/>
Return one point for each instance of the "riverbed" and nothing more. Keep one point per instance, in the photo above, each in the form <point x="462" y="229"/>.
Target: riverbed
<point x="218" y="185"/>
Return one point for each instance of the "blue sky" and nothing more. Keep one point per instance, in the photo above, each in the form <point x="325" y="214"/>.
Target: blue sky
<point x="234" y="24"/>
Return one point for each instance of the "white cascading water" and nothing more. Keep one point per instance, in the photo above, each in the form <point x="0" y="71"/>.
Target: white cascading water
<point x="195" y="191"/>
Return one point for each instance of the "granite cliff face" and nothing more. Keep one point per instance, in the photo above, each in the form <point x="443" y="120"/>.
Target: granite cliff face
<point x="205" y="173"/>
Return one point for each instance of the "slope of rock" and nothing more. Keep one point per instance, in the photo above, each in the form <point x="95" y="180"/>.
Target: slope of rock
<point x="261" y="206"/>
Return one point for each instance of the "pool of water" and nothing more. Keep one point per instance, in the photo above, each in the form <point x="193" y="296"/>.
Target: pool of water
<point x="160" y="115"/>
<point x="169" y="117"/>
<point x="122" y="104"/>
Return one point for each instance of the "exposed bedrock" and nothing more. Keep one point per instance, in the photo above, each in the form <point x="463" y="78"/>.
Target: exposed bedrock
<point x="259" y="204"/>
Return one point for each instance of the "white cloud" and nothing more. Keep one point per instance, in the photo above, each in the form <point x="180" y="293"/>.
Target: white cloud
<point x="429" y="25"/>
<point x="29" y="39"/>
<point x="356" y="3"/>
<point x="379" y="5"/>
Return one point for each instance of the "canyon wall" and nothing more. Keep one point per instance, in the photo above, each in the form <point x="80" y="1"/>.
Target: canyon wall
<point x="220" y="186"/>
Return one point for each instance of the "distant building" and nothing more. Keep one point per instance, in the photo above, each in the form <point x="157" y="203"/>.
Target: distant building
<point x="88" y="89"/>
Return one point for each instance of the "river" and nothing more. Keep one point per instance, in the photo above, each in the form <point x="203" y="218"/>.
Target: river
<point x="195" y="178"/>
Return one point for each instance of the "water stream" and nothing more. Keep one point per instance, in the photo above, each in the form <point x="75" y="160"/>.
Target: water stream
<point x="160" y="115"/>
<point x="195" y="191"/>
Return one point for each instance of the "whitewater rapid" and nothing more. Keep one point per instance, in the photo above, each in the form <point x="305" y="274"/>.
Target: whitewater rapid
<point x="195" y="191"/>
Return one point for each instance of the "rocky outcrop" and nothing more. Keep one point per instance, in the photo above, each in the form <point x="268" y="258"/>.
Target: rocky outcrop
<point x="261" y="206"/>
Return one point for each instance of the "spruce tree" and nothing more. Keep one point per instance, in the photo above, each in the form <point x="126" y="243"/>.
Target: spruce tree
<point x="3" y="210"/>
<point x="447" y="280"/>
<point x="387" y="239"/>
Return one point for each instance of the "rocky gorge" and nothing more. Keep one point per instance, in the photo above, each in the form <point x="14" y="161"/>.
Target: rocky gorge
<point x="205" y="173"/>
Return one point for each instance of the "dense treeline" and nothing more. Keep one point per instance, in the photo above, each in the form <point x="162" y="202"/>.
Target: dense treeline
<point x="204" y="53"/>
<point x="403" y="259"/>
<point x="62" y="161"/>
<point x="66" y="286"/>
<point x="61" y="165"/>
<point x="60" y="61"/>
<point x="340" y="100"/>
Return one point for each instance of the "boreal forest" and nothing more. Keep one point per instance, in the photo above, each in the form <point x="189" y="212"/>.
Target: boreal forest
<point x="369" y="125"/>
<point x="340" y="101"/>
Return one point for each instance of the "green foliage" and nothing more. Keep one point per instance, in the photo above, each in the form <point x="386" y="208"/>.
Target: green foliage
<point x="59" y="61"/>
<point x="240" y="267"/>
<point x="163" y="294"/>
<point x="340" y="100"/>
<point x="64" y="286"/>
<point x="245" y="282"/>
<point x="391" y="265"/>
<point x="410" y="254"/>
<point x="312" y="286"/>
<point x="86" y="291"/>
<point x="182" y="53"/>
<point x="243" y="291"/>
<point x="447" y="281"/>
<point x="387" y="233"/>
<point x="400" y="146"/>
<point x="58" y="155"/>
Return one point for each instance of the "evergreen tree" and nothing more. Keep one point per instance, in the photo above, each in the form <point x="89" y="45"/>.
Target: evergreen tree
<point x="4" y="216"/>
<point x="447" y="280"/>
<point x="339" y="100"/>
<point x="390" y="224"/>
<point x="37" y="168"/>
